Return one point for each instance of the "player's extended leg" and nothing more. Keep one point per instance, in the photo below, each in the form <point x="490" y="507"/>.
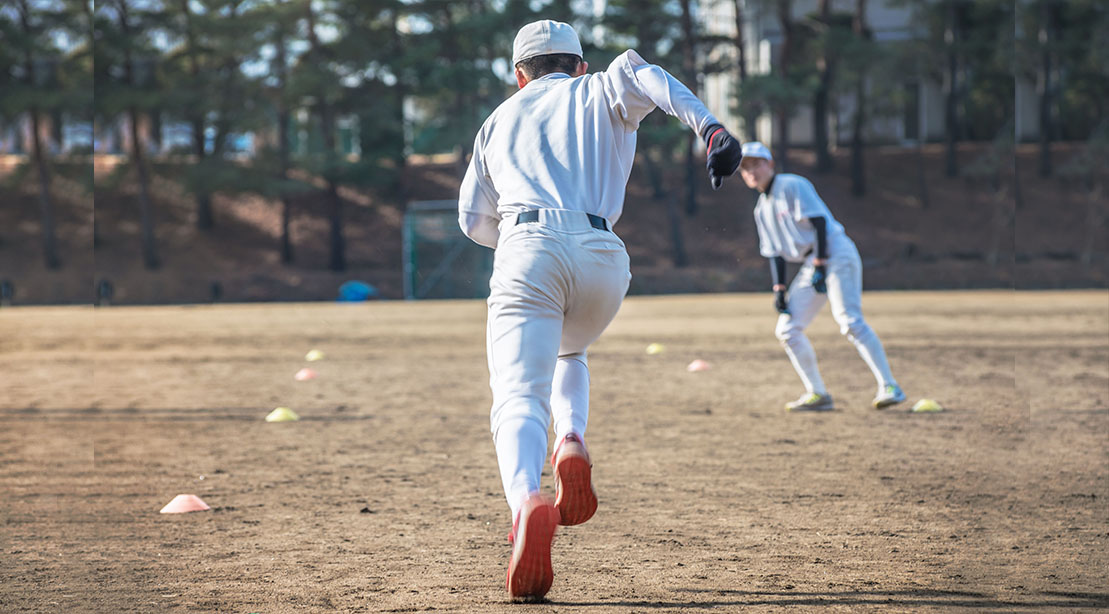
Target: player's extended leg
<point x="845" y="283"/>
<point x="522" y="348"/>
<point x="601" y="276"/>
<point x="570" y="395"/>
<point x="527" y="292"/>
<point x="572" y="467"/>
<point x="804" y="304"/>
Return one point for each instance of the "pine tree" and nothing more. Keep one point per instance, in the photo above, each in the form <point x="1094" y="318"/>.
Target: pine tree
<point x="125" y="86"/>
<point x="657" y="36"/>
<point x="43" y="83"/>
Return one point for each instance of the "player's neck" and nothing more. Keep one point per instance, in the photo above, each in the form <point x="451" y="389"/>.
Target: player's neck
<point x="765" y="189"/>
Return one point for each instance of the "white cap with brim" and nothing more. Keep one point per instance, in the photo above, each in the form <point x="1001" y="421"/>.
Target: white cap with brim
<point x="755" y="149"/>
<point x="545" y="37"/>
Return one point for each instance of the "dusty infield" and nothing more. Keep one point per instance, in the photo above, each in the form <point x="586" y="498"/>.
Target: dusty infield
<point x="385" y="497"/>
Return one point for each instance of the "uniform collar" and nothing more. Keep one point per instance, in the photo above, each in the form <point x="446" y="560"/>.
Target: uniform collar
<point x="770" y="185"/>
<point x="553" y="75"/>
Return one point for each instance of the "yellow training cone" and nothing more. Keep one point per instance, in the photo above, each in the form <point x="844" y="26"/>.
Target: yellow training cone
<point x="313" y="355"/>
<point x="655" y="348"/>
<point x="924" y="405"/>
<point x="282" y="414"/>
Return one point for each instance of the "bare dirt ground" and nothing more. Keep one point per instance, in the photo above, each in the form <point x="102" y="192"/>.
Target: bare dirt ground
<point x="384" y="497"/>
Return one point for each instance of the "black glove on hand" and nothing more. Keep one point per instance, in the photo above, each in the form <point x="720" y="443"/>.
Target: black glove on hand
<point x="724" y="153"/>
<point x="780" y="301"/>
<point x="819" y="277"/>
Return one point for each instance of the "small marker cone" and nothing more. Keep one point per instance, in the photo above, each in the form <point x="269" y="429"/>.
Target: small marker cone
<point x="304" y="375"/>
<point x="185" y="503"/>
<point x="698" y="365"/>
<point x="655" y="348"/>
<point x="927" y="405"/>
<point x="313" y="355"/>
<point x="282" y="414"/>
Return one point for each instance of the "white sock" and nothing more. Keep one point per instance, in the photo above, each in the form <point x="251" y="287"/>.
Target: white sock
<point x="874" y="355"/>
<point x="521" y="452"/>
<point x="803" y="357"/>
<point x="570" y="396"/>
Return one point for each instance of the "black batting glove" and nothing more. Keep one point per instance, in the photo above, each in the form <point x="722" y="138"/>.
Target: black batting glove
<point x="724" y="153"/>
<point x="819" y="279"/>
<point x="780" y="302"/>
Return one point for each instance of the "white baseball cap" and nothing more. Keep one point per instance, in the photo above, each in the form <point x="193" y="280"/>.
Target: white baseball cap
<point x="544" y="38"/>
<point x="755" y="149"/>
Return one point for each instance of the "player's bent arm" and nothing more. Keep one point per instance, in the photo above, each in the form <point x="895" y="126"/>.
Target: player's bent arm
<point x="481" y="228"/>
<point x="674" y="98"/>
<point x="778" y="273"/>
<point x="635" y="88"/>
<point x="477" y="202"/>
<point x="820" y="225"/>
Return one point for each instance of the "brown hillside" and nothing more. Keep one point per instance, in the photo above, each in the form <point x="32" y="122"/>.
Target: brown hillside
<point x="915" y="228"/>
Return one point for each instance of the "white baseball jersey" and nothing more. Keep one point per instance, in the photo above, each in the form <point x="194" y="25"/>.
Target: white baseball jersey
<point x="782" y="216"/>
<point x="567" y="143"/>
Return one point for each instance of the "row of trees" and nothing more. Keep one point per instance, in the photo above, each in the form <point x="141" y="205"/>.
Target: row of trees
<point x="419" y="76"/>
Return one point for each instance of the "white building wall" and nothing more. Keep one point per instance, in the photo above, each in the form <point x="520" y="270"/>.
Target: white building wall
<point x="763" y="36"/>
<point x="932" y="110"/>
<point x="1027" y="111"/>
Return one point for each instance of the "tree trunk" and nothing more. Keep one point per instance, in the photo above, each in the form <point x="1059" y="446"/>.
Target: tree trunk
<point x="922" y="179"/>
<point x="781" y="157"/>
<point x="749" y="132"/>
<point x="337" y="259"/>
<point x="1095" y="219"/>
<point x="820" y="97"/>
<point x="230" y="68"/>
<point x="654" y="174"/>
<point x="204" y="218"/>
<point x="46" y="206"/>
<point x="951" y="87"/>
<point x="287" y="255"/>
<point x="858" y="164"/>
<point x="283" y="118"/>
<point x="149" y="238"/>
<point x="673" y="216"/>
<point x="689" y="70"/>
<point x="691" y="174"/>
<point x="1044" y="86"/>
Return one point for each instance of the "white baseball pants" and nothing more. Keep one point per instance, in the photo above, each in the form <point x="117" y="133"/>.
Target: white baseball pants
<point x="556" y="285"/>
<point x="845" y="283"/>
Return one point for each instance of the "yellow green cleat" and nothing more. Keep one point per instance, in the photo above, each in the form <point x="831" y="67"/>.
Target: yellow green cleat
<point x="889" y="395"/>
<point x="812" y="402"/>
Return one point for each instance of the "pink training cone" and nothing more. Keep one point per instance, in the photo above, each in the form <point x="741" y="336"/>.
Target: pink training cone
<point x="185" y="503"/>
<point x="698" y="365"/>
<point x="304" y="375"/>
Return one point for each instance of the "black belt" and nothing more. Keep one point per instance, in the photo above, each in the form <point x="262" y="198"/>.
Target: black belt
<point x="595" y="221"/>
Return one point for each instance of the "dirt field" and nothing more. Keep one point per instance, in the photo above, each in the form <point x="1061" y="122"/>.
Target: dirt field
<point x="385" y="496"/>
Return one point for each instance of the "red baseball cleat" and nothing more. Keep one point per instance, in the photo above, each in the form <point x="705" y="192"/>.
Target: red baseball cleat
<point x="574" y="495"/>
<point x="529" y="572"/>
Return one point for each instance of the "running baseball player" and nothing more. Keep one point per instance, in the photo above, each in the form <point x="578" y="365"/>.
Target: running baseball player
<point x="795" y="225"/>
<point x="544" y="188"/>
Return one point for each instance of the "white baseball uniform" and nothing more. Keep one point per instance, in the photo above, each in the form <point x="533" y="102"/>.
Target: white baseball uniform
<point x="563" y="147"/>
<point x="782" y="217"/>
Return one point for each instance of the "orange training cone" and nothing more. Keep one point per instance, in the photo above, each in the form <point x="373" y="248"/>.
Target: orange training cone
<point x="185" y="503"/>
